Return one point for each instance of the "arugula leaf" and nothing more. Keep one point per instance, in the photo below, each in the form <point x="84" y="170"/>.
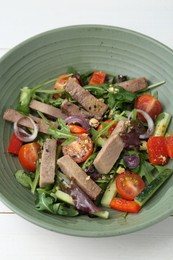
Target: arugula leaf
<point x="36" y="179"/>
<point x="60" y="132"/>
<point x="146" y="171"/>
<point x="96" y="134"/>
<point x="61" y="209"/>
<point x="45" y="202"/>
<point x="118" y="96"/>
<point x="27" y="180"/>
<point x="26" y="94"/>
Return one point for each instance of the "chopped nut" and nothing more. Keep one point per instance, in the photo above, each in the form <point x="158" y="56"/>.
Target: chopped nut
<point x="94" y="122"/>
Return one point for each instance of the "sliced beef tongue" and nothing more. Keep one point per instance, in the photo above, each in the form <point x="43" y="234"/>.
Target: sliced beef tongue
<point x="134" y="85"/>
<point x="48" y="163"/>
<point x="74" y="171"/>
<point x="47" y="109"/>
<point x="90" y="103"/>
<point x="70" y="109"/>
<point x="13" y="116"/>
<point x="109" y="154"/>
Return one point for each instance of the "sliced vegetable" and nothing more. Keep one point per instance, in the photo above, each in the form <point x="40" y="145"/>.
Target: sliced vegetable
<point x="28" y="155"/>
<point x="150" y="189"/>
<point x="80" y="149"/>
<point x="150" y="105"/>
<point x="150" y="124"/>
<point x="14" y="145"/>
<point x="109" y="193"/>
<point x="78" y="120"/>
<point x="125" y="205"/>
<point x="76" y="129"/>
<point x="131" y="161"/>
<point x="169" y="146"/>
<point x="129" y="185"/>
<point x="157" y="151"/>
<point x="161" y="124"/>
<point x="24" y="136"/>
<point x="98" y="77"/>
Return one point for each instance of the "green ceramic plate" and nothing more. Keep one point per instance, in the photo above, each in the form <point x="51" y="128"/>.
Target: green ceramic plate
<point x="85" y="47"/>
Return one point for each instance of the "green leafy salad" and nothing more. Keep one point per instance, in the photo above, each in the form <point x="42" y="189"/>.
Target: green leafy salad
<point x="88" y="142"/>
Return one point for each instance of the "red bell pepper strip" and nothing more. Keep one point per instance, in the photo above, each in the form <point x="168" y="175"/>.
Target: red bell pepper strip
<point x="157" y="151"/>
<point x="129" y="206"/>
<point x="169" y="146"/>
<point x="14" y="145"/>
<point x="98" y="77"/>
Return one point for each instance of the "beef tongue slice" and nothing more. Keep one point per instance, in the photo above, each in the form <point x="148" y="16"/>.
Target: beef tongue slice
<point x="109" y="154"/>
<point x="134" y="85"/>
<point x="89" y="102"/>
<point x="72" y="109"/>
<point x="48" y="163"/>
<point x="74" y="171"/>
<point x="47" y="109"/>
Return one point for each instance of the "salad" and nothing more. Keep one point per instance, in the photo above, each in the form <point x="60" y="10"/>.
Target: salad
<point x="89" y="142"/>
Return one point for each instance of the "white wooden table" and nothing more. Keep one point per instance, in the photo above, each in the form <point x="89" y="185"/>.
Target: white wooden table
<point x="20" y="20"/>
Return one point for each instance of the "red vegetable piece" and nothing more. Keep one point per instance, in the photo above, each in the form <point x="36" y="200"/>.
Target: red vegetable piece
<point x="157" y="150"/>
<point x="125" y="205"/>
<point x="110" y="130"/>
<point x="76" y="129"/>
<point x="80" y="149"/>
<point x="28" y="155"/>
<point x="14" y="145"/>
<point x="150" y="105"/>
<point x="169" y="146"/>
<point x="129" y="185"/>
<point x="98" y="77"/>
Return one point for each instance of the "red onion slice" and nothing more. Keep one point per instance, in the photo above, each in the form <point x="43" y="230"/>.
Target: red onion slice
<point x="79" y="120"/>
<point x="22" y="134"/>
<point x="131" y="161"/>
<point x="150" y="123"/>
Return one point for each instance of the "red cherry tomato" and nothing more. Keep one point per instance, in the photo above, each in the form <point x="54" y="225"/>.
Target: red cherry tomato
<point x="76" y="129"/>
<point x="150" y="105"/>
<point x="28" y="155"/>
<point x="80" y="149"/>
<point x="129" y="185"/>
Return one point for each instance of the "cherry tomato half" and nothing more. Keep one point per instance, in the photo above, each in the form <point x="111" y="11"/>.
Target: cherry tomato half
<point x="110" y="130"/>
<point x="80" y="149"/>
<point x="150" y="105"/>
<point x="129" y="185"/>
<point x="76" y="129"/>
<point x="28" y="155"/>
